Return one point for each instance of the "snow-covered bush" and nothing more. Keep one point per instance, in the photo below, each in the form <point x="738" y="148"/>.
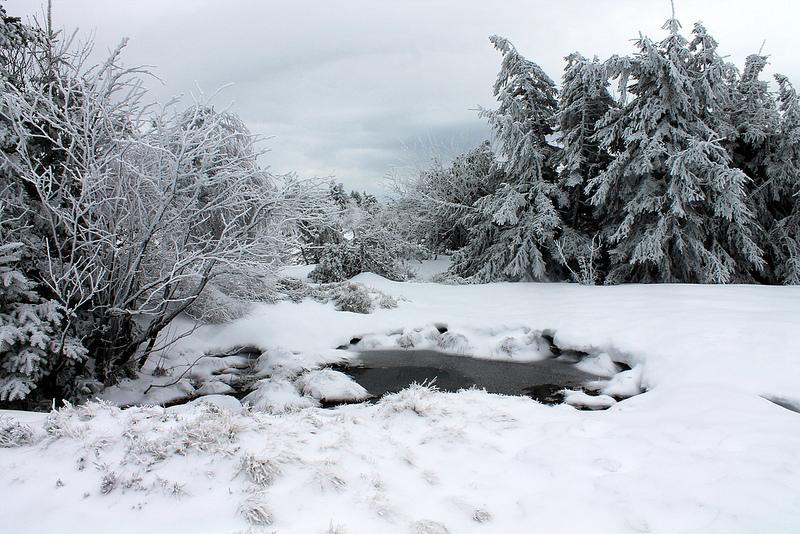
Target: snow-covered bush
<point x="358" y="298"/>
<point x="354" y="298"/>
<point x="14" y="434"/>
<point x="256" y="511"/>
<point x="260" y="470"/>
<point x="438" y="201"/>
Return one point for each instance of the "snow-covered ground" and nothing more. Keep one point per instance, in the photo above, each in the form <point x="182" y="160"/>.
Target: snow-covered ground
<point x="702" y="450"/>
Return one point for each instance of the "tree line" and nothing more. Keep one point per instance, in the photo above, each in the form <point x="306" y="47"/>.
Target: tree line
<point x="665" y="165"/>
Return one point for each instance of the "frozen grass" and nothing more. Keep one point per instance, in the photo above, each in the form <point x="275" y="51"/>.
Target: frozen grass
<point x="255" y="510"/>
<point x="14" y="434"/>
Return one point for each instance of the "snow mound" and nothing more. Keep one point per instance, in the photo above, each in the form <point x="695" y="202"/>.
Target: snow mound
<point x="276" y="396"/>
<point x="579" y="399"/>
<point x="328" y="385"/>
<point x="279" y="362"/>
<point x="598" y="364"/>
<point x="625" y="384"/>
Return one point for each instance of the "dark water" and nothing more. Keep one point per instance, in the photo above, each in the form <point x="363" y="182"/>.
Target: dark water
<point x="389" y="371"/>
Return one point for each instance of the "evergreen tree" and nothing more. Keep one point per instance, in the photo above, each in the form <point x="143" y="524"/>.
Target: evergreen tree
<point x="583" y="102"/>
<point x="784" y="183"/>
<point x="674" y="204"/>
<point x="33" y="343"/>
<point x="513" y="228"/>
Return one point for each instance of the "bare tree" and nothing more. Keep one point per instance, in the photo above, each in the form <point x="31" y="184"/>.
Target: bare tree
<point x="139" y="207"/>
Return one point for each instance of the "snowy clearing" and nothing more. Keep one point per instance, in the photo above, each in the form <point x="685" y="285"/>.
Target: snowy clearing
<point x="702" y="450"/>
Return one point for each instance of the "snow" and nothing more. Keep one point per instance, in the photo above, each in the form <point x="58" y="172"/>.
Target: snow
<point x="625" y="384"/>
<point x="425" y="270"/>
<point x="300" y="272"/>
<point x="598" y="364"/>
<point x="701" y="449"/>
<point x="579" y="399"/>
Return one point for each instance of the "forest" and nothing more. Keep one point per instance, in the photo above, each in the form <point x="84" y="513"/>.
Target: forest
<point x="665" y="165"/>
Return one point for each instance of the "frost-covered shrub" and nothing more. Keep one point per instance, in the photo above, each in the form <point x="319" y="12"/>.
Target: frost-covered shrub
<point x="259" y="470"/>
<point x="255" y="510"/>
<point x="387" y="302"/>
<point x="345" y="260"/>
<point x="214" y="430"/>
<point x="423" y="400"/>
<point x="450" y="279"/>
<point x="376" y="246"/>
<point x="14" y="434"/>
<point x="357" y="298"/>
<point x="295" y="290"/>
<point x="354" y="298"/>
<point x="452" y="342"/>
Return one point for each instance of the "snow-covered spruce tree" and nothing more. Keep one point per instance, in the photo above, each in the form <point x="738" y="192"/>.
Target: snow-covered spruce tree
<point x="438" y="201"/>
<point x="512" y="229"/>
<point x="34" y="346"/>
<point x="756" y="122"/>
<point x="673" y="203"/>
<point x="783" y="180"/>
<point x="584" y="100"/>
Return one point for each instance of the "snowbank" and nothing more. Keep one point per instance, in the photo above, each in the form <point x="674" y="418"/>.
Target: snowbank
<point x="738" y="336"/>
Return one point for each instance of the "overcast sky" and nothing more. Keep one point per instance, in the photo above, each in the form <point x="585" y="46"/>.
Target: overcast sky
<point x="361" y="88"/>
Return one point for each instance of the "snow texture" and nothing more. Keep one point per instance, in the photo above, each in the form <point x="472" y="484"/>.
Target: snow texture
<point x="700" y="450"/>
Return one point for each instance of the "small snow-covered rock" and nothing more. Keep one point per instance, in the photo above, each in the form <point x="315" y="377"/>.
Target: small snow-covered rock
<point x="328" y="385"/>
<point x="223" y="402"/>
<point x="214" y="387"/>
<point x="598" y="364"/>
<point x="625" y="384"/>
<point x="276" y="396"/>
<point x="579" y="399"/>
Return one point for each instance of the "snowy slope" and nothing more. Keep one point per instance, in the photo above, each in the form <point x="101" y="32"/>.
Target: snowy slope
<point x="701" y="451"/>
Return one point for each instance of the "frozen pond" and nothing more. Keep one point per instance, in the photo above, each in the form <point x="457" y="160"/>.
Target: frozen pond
<point x="389" y="371"/>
